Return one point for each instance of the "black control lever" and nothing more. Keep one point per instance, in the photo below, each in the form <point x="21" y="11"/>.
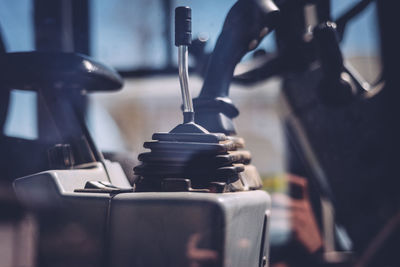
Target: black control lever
<point x="339" y="85"/>
<point x="183" y="38"/>
<point x="190" y="158"/>
<point x="245" y="26"/>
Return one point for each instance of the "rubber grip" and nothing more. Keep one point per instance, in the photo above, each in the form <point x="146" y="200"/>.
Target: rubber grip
<point x="183" y="26"/>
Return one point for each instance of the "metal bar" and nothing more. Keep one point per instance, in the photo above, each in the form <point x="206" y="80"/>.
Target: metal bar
<point x="143" y="72"/>
<point x="184" y="78"/>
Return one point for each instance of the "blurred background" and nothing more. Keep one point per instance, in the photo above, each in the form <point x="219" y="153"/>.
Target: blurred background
<point x="135" y="37"/>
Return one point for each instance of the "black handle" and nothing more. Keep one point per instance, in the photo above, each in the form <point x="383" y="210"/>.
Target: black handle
<point x="327" y="42"/>
<point x="183" y="26"/>
<point x="246" y="24"/>
<point x="337" y="87"/>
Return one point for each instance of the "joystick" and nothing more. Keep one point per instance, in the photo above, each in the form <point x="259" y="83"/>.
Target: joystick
<point x="189" y="157"/>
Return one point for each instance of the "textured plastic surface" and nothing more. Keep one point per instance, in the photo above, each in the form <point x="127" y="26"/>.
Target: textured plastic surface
<point x="68" y="217"/>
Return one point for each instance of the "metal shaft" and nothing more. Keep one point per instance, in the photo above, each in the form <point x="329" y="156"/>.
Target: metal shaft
<point x="184" y="78"/>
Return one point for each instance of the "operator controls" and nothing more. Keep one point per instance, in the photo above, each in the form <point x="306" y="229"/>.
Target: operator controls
<point x="246" y="24"/>
<point x="190" y="158"/>
<point x="337" y="86"/>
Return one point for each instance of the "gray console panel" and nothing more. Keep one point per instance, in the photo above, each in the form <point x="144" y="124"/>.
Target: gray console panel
<point x="143" y="229"/>
<point x="189" y="229"/>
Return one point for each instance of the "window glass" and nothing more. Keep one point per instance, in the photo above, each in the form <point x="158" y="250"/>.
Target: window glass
<point x="360" y="44"/>
<point x="17" y="25"/>
<point x="131" y="35"/>
<point x="128" y="34"/>
<point x="22" y="115"/>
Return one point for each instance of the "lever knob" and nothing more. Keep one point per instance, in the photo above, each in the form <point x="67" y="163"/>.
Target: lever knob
<point x="183" y="26"/>
<point x="327" y="42"/>
<point x="337" y="87"/>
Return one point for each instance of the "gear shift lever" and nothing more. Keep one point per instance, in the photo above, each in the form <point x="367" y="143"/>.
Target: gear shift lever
<point x="183" y="38"/>
<point x="190" y="158"/>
